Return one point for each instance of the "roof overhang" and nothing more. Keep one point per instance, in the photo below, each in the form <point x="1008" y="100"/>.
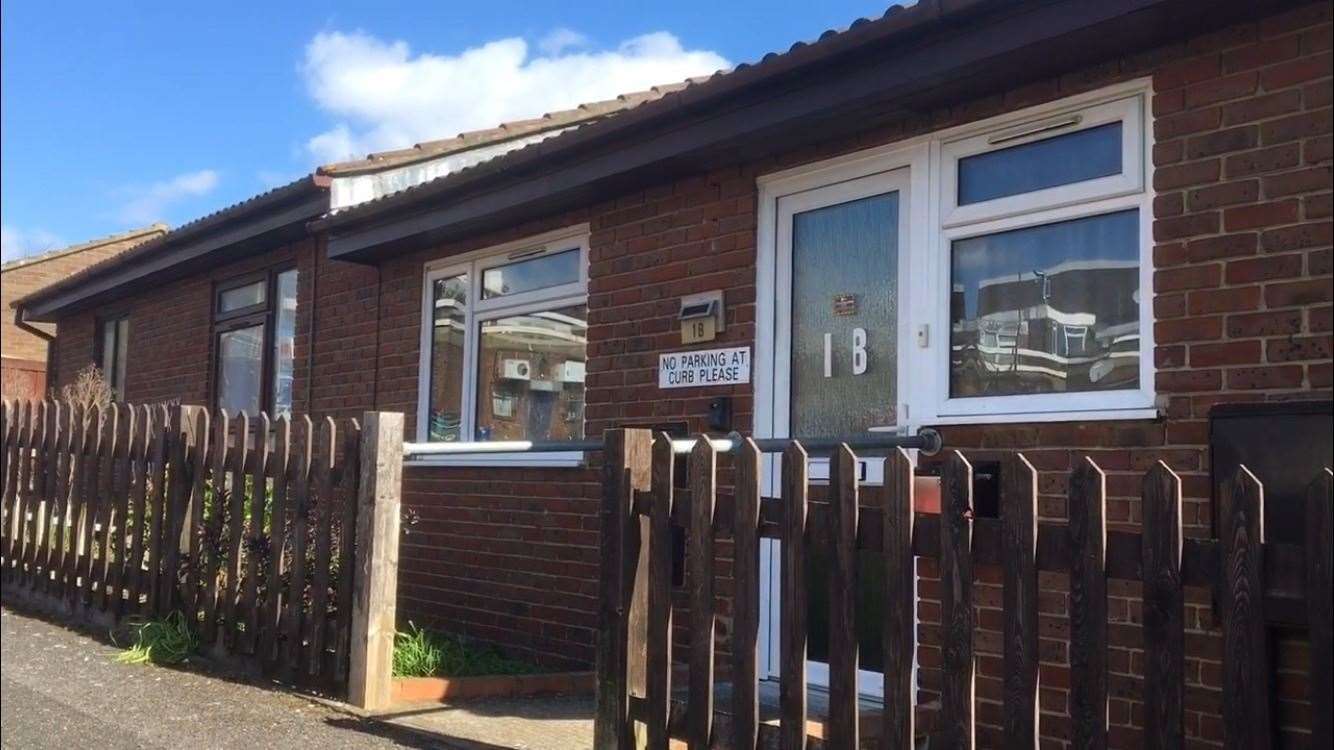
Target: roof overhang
<point x="248" y="228"/>
<point x="935" y="54"/>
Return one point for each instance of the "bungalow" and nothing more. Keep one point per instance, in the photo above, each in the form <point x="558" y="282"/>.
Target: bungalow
<point x="1064" y="227"/>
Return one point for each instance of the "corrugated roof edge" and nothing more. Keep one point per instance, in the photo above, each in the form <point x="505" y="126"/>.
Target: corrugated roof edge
<point x="896" y="20"/>
<point x="60" y="252"/>
<point x="585" y="113"/>
<point x="305" y="185"/>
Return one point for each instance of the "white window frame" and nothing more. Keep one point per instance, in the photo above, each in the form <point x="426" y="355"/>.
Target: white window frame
<point x="478" y="311"/>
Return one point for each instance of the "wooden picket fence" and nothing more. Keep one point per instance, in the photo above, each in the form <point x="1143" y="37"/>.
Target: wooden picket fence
<point x="641" y="505"/>
<point x="246" y="526"/>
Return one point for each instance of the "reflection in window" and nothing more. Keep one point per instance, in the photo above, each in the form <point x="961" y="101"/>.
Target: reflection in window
<point x="284" y="343"/>
<point x="530" y="376"/>
<point x="114" y="350"/>
<point x="449" y="298"/>
<point x="527" y="275"/>
<point x="241" y="297"/>
<point x="1052" y="308"/>
<point x="240" y="369"/>
<point x="1074" y="157"/>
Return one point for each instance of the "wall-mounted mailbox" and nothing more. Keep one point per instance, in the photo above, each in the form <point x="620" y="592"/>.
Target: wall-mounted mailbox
<point x="701" y="317"/>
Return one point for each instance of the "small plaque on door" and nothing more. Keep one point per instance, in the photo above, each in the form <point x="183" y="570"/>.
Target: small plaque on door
<point x="845" y="305"/>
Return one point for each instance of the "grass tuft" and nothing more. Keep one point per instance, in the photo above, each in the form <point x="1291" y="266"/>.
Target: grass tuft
<point x="423" y="653"/>
<point x="168" y="640"/>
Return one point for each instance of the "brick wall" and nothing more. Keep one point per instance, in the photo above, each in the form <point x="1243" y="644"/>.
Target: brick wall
<point x="1242" y="312"/>
<point x="23" y="350"/>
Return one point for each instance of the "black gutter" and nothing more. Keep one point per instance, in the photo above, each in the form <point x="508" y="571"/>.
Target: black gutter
<point x="252" y="226"/>
<point x="916" y="63"/>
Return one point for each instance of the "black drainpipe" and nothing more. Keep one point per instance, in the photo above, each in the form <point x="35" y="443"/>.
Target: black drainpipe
<point x="24" y="325"/>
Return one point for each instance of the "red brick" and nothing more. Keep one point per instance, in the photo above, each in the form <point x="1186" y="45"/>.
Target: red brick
<point x="1300" y="181"/>
<point x="1297" y="71"/>
<point x="1264" y="324"/>
<point x="1190" y="277"/>
<point x="1185" y="226"/>
<point x="1253" y="378"/>
<point x="1222" y="141"/>
<point x="1320" y="375"/>
<point x="1187" y="123"/>
<point x="1297" y="293"/>
<point x="1234" y="299"/>
<point x="1262" y="107"/>
<point x="1185" y="381"/>
<point x="1188" y="329"/>
<point x="1298" y="348"/>
<point x="1262" y="160"/>
<point x="1222" y="194"/>
<point x="1296" y="237"/>
<point x="1295" y="127"/>
<point x="1221" y="89"/>
<point x="1190" y="173"/>
<point x="1251" y="270"/>
<point x="1228" y="353"/>
<point x="1222" y="246"/>
<point x="1183" y="72"/>
<point x="1261" y="215"/>
<point x="1320" y="319"/>
<point x="1266" y="52"/>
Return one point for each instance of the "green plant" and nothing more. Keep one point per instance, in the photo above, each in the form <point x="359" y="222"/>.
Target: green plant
<point x="422" y="653"/>
<point x="168" y="640"/>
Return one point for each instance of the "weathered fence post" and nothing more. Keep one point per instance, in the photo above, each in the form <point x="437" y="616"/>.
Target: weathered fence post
<point x="376" y="587"/>
<point x="626" y="468"/>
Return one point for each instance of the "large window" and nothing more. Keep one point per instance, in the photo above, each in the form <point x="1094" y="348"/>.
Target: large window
<point x="1022" y="287"/>
<point x="254" y="342"/>
<point x="113" y="342"/>
<point x="504" y="333"/>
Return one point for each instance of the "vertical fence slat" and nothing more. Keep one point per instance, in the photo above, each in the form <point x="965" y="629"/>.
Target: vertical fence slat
<point x="792" y="633"/>
<point x="13" y="419"/>
<point x="60" y="463"/>
<point x="1087" y="509"/>
<point x="254" y="536"/>
<point x="746" y="596"/>
<point x="626" y="468"/>
<point x="1164" y="614"/>
<point x="1320" y="604"/>
<point x="1019" y="521"/>
<point x="236" y="529"/>
<point x="120" y="494"/>
<point x="843" y="655"/>
<point x="28" y="508"/>
<point x="136" y="579"/>
<point x="900" y="603"/>
<point x="179" y="432"/>
<point x="199" y="463"/>
<point x="956" y="601"/>
<point x="269" y="629"/>
<point x="69" y="558"/>
<point x="106" y="485"/>
<point x="1246" y="713"/>
<point x="51" y="516"/>
<point x="346" y="548"/>
<point x="157" y="501"/>
<point x="92" y="502"/>
<point x="319" y="595"/>
<point x="299" y="464"/>
<point x="42" y="495"/>
<point x="213" y="544"/>
<point x="373" y="614"/>
<point x="703" y="490"/>
<point x="658" y="660"/>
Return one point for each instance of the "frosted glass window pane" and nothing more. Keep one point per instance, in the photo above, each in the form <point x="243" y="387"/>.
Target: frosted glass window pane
<point x="284" y="343"/>
<point x="449" y="297"/>
<point x="241" y="297"/>
<point x="530" y="376"/>
<point x="240" y="369"/>
<point x="1046" y="309"/>
<point x="1074" y="157"/>
<point x="845" y="287"/>
<point x="527" y="275"/>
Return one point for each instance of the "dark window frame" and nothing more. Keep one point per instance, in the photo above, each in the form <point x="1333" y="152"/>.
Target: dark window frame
<point x="263" y="315"/>
<point x="99" y="348"/>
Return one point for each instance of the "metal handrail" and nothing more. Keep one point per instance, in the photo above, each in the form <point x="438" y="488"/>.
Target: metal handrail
<point x="926" y="440"/>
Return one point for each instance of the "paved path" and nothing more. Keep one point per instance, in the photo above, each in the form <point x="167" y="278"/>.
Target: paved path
<point x="61" y="689"/>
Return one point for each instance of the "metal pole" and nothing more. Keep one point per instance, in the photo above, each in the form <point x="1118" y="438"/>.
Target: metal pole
<point x="926" y="440"/>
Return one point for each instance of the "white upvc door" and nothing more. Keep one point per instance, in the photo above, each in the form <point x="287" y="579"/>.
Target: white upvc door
<point x="839" y="327"/>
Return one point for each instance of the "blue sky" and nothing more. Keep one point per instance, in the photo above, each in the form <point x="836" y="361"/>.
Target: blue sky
<point x="119" y="114"/>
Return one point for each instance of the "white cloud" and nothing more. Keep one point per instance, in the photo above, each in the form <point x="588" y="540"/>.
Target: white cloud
<point x="16" y="242"/>
<point x="383" y="95"/>
<point x="560" y="40"/>
<point x="145" y="204"/>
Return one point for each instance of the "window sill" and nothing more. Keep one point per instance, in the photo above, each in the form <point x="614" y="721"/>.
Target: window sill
<point x="571" y="460"/>
<point x="1097" y="415"/>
